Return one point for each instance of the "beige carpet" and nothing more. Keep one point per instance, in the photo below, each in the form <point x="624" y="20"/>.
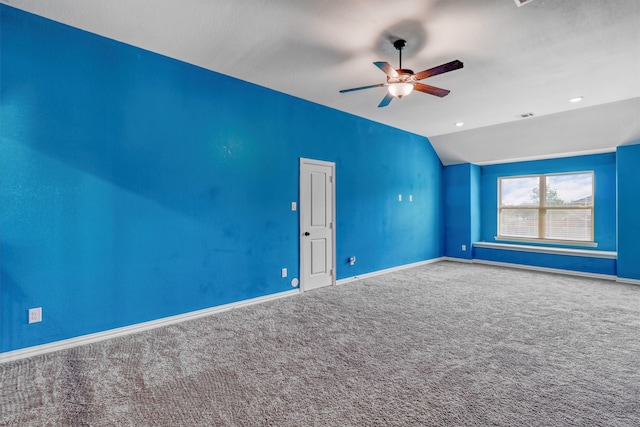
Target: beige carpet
<point x="441" y="345"/>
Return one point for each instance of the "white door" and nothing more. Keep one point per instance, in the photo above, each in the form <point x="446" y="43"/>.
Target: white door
<point x="317" y="231"/>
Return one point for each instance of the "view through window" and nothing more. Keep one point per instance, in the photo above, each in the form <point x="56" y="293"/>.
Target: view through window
<point x="564" y="212"/>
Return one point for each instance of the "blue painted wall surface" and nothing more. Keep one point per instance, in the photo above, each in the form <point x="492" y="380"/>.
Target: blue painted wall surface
<point x="475" y="174"/>
<point x="458" y="210"/>
<point x="629" y="212"/>
<point x="462" y="209"/>
<point x="135" y="187"/>
<point x="562" y="262"/>
<point x="604" y="167"/>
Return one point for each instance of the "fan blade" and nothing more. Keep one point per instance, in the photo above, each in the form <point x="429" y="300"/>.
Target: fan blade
<point x="387" y="68"/>
<point x="431" y="90"/>
<point x="444" y="68"/>
<point x="360" y="88"/>
<point x="386" y="100"/>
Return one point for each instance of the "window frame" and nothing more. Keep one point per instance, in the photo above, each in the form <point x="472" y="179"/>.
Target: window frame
<point x="542" y="209"/>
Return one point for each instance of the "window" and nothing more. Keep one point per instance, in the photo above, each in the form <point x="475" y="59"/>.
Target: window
<point x="564" y="213"/>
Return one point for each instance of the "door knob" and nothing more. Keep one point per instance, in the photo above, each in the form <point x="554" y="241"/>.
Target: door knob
<point x="306" y="233"/>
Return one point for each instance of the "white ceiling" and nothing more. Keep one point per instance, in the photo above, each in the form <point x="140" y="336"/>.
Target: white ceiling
<point x="517" y="60"/>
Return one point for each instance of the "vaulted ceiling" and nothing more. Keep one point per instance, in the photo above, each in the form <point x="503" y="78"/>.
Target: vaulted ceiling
<point x="517" y="60"/>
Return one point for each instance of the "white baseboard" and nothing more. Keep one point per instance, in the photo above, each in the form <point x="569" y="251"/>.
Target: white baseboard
<point x="139" y="327"/>
<point x="462" y="260"/>
<point x="629" y="281"/>
<point x="547" y="269"/>
<point x="388" y="270"/>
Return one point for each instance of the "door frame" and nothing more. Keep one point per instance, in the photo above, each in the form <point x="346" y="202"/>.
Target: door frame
<point x="301" y="254"/>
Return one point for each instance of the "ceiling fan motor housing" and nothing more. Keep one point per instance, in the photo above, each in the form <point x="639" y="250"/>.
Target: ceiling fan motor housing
<point x="404" y="71"/>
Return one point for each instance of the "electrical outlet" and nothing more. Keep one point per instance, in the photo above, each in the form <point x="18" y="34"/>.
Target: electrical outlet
<point x="35" y="315"/>
<point x="464" y="247"/>
<point x="284" y="272"/>
<point x="399" y="197"/>
<point x="352" y="260"/>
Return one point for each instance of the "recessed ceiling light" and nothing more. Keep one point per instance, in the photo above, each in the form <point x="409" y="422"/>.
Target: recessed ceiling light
<point x="576" y="99"/>
<point x="459" y="124"/>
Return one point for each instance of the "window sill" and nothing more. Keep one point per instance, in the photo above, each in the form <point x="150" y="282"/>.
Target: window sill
<point x="548" y="250"/>
<point x="546" y="241"/>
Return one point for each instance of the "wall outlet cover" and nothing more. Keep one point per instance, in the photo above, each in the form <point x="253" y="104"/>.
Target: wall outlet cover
<point x="35" y="315"/>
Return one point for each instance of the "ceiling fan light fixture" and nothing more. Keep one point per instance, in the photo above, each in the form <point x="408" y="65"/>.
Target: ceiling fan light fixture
<point x="400" y="89"/>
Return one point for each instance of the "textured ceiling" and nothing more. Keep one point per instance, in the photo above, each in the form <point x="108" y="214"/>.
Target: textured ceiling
<point x="528" y="59"/>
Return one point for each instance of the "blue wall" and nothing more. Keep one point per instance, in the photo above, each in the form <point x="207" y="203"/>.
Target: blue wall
<point x="629" y="212"/>
<point x="471" y="200"/>
<point x="582" y="264"/>
<point x="604" y="167"/>
<point x="135" y="187"/>
<point x="462" y="209"/>
<point x="475" y="186"/>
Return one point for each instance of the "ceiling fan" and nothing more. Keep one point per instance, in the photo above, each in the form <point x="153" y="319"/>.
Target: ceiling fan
<point x="402" y="82"/>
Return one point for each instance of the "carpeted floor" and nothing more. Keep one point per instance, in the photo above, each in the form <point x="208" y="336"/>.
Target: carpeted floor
<point x="440" y="345"/>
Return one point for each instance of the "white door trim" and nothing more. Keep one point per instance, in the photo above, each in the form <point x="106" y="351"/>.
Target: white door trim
<point x="332" y="165"/>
